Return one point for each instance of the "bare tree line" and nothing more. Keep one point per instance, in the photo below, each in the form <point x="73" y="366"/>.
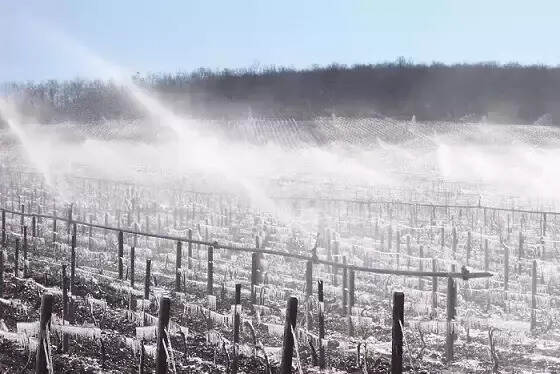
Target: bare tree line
<point x="509" y="93"/>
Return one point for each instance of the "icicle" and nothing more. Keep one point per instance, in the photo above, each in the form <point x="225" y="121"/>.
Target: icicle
<point x="28" y="328"/>
<point x="146" y="333"/>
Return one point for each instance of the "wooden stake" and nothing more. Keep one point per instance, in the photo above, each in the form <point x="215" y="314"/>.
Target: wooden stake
<point x="147" y="278"/>
<point x="41" y="359"/>
<point x="210" y="280"/>
<point x="132" y="266"/>
<point x="189" y="251"/>
<point x="73" y="262"/>
<point x="16" y="259"/>
<point x="163" y="322"/>
<point x="178" y="260"/>
<point x="65" y="310"/>
<point x="397" y="338"/>
<point x="320" y="296"/>
<point x="120" y="254"/>
<point x="288" y="343"/>
<point x="534" y="296"/>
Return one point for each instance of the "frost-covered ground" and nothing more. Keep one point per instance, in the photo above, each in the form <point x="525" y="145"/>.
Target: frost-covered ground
<point x="291" y="180"/>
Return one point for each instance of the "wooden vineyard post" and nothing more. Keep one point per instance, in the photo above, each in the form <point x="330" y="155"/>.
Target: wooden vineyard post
<point x="328" y="245"/>
<point x="69" y="224"/>
<point x="147" y="279"/>
<point x="189" y="251"/>
<point x="309" y="279"/>
<point x="90" y="234"/>
<point x="1" y="271"/>
<point x="345" y="287"/>
<point x="351" y="298"/>
<point x="3" y="243"/>
<point x="335" y="268"/>
<point x="288" y="343"/>
<point x="534" y="296"/>
<point x="25" y="270"/>
<point x="106" y="221"/>
<point x="64" y="306"/>
<point x="397" y="333"/>
<point x="321" y="298"/>
<point x="506" y="265"/>
<point x="73" y="262"/>
<point x="508" y="226"/>
<point x="544" y="224"/>
<point x="451" y="313"/>
<point x="210" y="279"/>
<point x="434" y="285"/>
<point x="3" y="228"/>
<point x="120" y="254"/>
<point x="162" y="342"/>
<point x="442" y="237"/>
<point x="42" y="358"/>
<point x="132" y="266"/>
<point x="408" y="253"/>
<point x="236" y="323"/>
<point x="16" y="259"/>
<point x="33" y="226"/>
<point x="486" y="260"/>
<point x="520" y="250"/>
<point x="351" y="291"/>
<point x="421" y="268"/>
<point x="255" y="260"/>
<point x="398" y="248"/>
<point x="54" y="231"/>
<point x="469" y="238"/>
<point x="142" y="358"/>
<point x="22" y="218"/>
<point x="454" y="241"/>
<point x="178" y="260"/>
<point x="308" y="292"/>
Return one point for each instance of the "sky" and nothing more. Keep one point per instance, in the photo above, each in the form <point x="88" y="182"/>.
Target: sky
<point x="55" y="39"/>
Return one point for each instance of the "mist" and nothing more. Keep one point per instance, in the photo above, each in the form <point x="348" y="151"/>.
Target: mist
<point x="197" y="207"/>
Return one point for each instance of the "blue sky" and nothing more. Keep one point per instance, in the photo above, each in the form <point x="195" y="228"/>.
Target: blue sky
<point x="39" y="39"/>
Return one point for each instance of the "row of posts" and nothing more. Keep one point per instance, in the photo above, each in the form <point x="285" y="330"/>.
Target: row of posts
<point x="348" y="278"/>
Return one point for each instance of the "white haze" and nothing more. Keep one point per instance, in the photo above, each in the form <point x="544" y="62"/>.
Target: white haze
<point x="509" y="164"/>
